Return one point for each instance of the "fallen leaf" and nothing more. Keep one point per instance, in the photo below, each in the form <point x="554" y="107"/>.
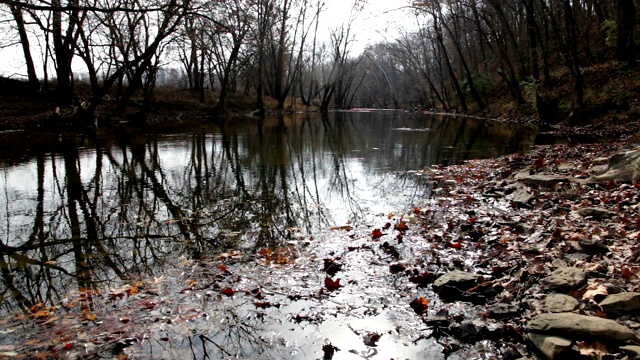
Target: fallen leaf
<point x="423" y="280"/>
<point x="396" y="268"/>
<point x="228" y="291"/>
<point x="419" y="305"/>
<point x="343" y="227"/>
<point x="376" y="234"/>
<point x="401" y="226"/>
<point x="331" y="267"/>
<point x="594" y="351"/>
<point x="538" y="163"/>
<point x="455" y="245"/>
<point x="594" y="290"/>
<point x="371" y="339"/>
<point x="329" y="350"/>
<point x="331" y="284"/>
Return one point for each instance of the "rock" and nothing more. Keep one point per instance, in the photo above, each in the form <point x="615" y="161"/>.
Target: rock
<point x="593" y="246"/>
<point x="621" y="303"/>
<point x="580" y="327"/>
<point x="550" y="346"/>
<point x="541" y="180"/>
<point x="458" y="279"/>
<point x="521" y="197"/>
<point x="468" y="331"/>
<point x="623" y="167"/>
<point x="503" y="311"/>
<point x="596" y="213"/>
<point x="557" y="303"/>
<point x="565" y="277"/>
<point x="632" y="351"/>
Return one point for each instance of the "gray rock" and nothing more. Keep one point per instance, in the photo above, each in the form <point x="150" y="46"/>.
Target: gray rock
<point x="632" y="351"/>
<point x="550" y="346"/>
<point x="557" y="303"/>
<point x="565" y="277"/>
<point x="621" y="303"/>
<point x="503" y="311"/>
<point x="596" y="213"/>
<point x="580" y="327"/>
<point x="521" y="197"/>
<point x="623" y="167"/>
<point x="458" y="279"/>
<point x="542" y="180"/>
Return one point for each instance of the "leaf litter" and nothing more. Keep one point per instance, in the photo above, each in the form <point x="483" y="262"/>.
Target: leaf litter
<point x="457" y="276"/>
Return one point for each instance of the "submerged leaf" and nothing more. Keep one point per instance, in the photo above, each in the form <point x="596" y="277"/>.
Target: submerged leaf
<point x="331" y="284"/>
<point x="419" y="305"/>
<point x="228" y="291"/>
<point x="401" y="226"/>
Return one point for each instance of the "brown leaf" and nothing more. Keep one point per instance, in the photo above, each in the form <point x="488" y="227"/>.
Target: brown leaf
<point x="401" y="226"/>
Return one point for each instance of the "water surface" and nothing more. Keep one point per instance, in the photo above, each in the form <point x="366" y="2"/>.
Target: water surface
<point x="93" y="211"/>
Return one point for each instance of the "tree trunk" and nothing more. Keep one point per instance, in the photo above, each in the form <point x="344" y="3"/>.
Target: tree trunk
<point x="574" y="62"/>
<point x="34" y="83"/>
<point x="454" y="80"/>
<point x="63" y="48"/>
<point x="626" y="23"/>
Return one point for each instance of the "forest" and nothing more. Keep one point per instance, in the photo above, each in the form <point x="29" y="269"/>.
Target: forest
<point x="493" y="214"/>
<point x="543" y="58"/>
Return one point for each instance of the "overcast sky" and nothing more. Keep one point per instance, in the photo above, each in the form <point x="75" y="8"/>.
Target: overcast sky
<point x="379" y="17"/>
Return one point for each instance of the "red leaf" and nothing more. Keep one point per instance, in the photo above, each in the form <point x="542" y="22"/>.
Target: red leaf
<point x="330" y="284"/>
<point x="455" y="245"/>
<point x="223" y="268"/>
<point x="266" y="304"/>
<point x="376" y="234"/>
<point x="67" y="346"/>
<point x="228" y="291"/>
<point x="626" y="273"/>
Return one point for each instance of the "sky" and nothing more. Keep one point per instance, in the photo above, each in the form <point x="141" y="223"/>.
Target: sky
<point x="379" y="19"/>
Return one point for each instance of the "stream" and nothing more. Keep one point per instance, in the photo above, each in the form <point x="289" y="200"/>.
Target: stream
<point x="218" y="241"/>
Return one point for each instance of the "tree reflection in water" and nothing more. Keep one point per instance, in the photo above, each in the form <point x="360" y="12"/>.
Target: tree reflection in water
<point x="95" y="211"/>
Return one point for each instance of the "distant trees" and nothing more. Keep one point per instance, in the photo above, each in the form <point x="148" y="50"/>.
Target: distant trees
<point x="462" y="52"/>
<point x="465" y="50"/>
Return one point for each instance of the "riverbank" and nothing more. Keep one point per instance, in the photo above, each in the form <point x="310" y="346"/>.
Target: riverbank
<point x="496" y="262"/>
<point x="611" y="111"/>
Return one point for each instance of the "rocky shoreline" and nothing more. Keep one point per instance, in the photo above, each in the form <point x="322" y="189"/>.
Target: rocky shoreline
<point x="559" y="230"/>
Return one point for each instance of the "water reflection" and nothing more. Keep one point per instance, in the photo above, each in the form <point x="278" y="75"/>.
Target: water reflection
<point x="93" y="211"/>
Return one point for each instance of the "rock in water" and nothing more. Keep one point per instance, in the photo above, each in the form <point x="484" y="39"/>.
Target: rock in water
<point x="580" y="327"/>
<point x="458" y="279"/>
<point x="565" y="277"/>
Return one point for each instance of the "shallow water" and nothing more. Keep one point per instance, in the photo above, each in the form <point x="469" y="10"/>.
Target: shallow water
<point x="94" y="211"/>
